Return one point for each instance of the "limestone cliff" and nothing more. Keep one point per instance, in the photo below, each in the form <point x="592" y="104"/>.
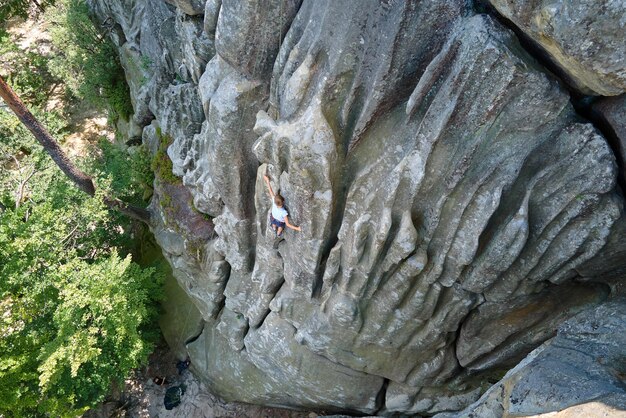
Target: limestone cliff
<point x="455" y="208"/>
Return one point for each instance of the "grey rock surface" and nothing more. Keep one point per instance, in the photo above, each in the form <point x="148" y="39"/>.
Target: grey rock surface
<point x="612" y="112"/>
<point x="190" y="7"/>
<point x="585" y="362"/>
<point x="180" y="320"/>
<point x="454" y="207"/>
<point x="262" y="24"/>
<point x="275" y="370"/>
<point x="585" y="39"/>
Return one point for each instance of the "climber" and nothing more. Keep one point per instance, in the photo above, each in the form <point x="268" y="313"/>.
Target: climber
<point x="279" y="218"/>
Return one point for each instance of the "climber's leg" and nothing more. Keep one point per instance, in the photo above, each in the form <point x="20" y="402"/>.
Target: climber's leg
<point x="278" y="239"/>
<point x="273" y="223"/>
<point x="279" y="227"/>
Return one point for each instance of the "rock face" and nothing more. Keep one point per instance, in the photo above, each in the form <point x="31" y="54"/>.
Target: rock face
<point x="585" y="39"/>
<point x="612" y="112"/>
<point x="454" y="207"/>
<point x="584" y="362"/>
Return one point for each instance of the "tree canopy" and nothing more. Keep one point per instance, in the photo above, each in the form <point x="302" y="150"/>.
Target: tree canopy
<point x="77" y="314"/>
<point x="20" y="8"/>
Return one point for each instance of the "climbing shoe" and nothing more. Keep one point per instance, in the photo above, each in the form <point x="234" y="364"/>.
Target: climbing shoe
<point x="277" y="241"/>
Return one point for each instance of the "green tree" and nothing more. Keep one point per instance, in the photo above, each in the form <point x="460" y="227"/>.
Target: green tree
<point x="76" y="313"/>
<point x="87" y="60"/>
<point x="101" y="322"/>
<point x="20" y="8"/>
<point x="27" y="71"/>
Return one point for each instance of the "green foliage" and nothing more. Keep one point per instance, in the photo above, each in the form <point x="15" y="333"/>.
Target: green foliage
<point x="14" y="135"/>
<point x="26" y="71"/>
<point x="161" y="164"/>
<point x="101" y="329"/>
<point x="87" y="60"/>
<point x="17" y="144"/>
<point x="76" y="314"/>
<point x="146" y="62"/>
<point x="82" y="59"/>
<point x="20" y="8"/>
<point x="123" y="172"/>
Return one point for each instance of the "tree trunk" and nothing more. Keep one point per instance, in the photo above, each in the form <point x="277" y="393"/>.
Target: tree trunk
<point x="82" y="180"/>
<point x="39" y="6"/>
<point x="133" y="212"/>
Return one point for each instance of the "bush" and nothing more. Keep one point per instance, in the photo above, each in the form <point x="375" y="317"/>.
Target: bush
<point x="124" y="171"/>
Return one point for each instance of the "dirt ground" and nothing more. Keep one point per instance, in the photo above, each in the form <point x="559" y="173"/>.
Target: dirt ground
<point x="141" y="398"/>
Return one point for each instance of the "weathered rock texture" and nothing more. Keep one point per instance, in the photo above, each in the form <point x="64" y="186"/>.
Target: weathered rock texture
<point x="585" y="362"/>
<point x="454" y="207"/>
<point x="585" y="39"/>
<point x="611" y="111"/>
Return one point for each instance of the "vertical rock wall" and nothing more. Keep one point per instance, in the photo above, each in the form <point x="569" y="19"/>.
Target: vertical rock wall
<point x="454" y="207"/>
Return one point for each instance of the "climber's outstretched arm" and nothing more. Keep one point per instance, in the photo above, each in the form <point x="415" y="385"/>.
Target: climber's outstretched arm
<point x="297" y="228"/>
<point x="269" y="187"/>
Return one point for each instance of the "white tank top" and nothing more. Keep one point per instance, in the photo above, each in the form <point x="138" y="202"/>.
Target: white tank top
<point x="278" y="213"/>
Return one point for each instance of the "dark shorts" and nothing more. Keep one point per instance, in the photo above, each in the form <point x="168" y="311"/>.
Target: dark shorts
<point x="277" y="223"/>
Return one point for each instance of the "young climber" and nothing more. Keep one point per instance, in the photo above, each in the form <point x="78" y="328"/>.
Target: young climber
<point x="279" y="216"/>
